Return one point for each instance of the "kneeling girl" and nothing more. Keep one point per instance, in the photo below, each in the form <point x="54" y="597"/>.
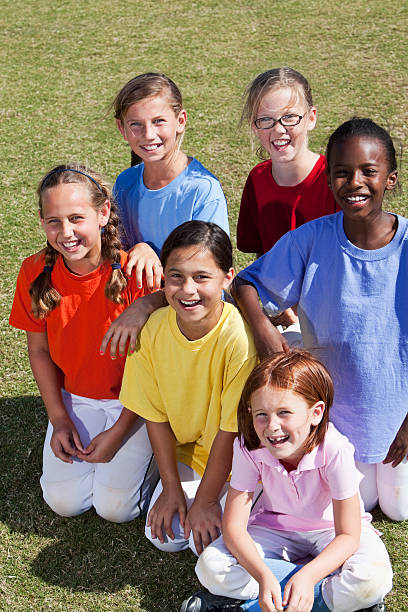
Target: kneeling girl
<point x="185" y="378"/>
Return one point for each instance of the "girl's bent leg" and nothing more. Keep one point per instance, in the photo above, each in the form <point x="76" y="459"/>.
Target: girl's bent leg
<point x="363" y="580"/>
<point x="190" y="481"/>
<point x="219" y="571"/>
<point x="122" y="487"/>
<point x="368" y="485"/>
<point x="67" y="487"/>
<point x="392" y="484"/>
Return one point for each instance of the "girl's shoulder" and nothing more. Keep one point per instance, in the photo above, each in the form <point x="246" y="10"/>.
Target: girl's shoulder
<point x="129" y="177"/>
<point x="32" y="265"/>
<point x="335" y="444"/>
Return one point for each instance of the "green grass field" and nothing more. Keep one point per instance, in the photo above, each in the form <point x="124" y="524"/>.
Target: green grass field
<point x="62" y="63"/>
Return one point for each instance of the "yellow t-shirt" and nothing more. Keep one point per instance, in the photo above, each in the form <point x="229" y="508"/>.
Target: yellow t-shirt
<point x="195" y="386"/>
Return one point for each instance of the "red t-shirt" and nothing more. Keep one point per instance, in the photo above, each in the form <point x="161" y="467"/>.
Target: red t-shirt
<point x="76" y="327"/>
<point x="269" y="210"/>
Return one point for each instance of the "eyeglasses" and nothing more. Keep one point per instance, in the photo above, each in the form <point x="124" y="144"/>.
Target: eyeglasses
<point x="266" y="123"/>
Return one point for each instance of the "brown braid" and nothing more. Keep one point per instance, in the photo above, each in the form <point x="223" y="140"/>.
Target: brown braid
<point x="44" y="296"/>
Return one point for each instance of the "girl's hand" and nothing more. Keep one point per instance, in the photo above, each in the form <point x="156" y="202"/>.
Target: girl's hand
<point x="268" y="340"/>
<point x="298" y="595"/>
<point x="101" y="449"/>
<point x="285" y="318"/>
<point x="65" y="441"/>
<point x="128" y="325"/>
<point x="161" y="515"/>
<point x="270" y="598"/>
<point x="204" y="520"/>
<point x="399" y="447"/>
<point x="144" y="259"/>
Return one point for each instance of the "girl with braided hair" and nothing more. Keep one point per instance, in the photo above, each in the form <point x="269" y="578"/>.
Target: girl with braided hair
<point x="96" y="452"/>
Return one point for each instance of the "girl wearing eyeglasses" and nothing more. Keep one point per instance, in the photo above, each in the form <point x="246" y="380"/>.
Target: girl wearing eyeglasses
<point x="290" y="187"/>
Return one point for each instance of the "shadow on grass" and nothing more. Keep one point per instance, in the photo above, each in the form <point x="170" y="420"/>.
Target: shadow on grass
<point x="86" y="553"/>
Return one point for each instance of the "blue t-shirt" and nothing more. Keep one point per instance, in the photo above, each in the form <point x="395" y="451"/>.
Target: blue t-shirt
<point x="150" y="215"/>
<point x="353" y="312"/>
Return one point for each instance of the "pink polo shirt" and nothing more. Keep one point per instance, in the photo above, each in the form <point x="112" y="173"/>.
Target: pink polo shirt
<point x="300" y="500"/>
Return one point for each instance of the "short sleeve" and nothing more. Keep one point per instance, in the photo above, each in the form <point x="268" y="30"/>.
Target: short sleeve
<point x="340" y="472"/>
<point x="278" y="275"/>
<point x="213" y="207"/>
<point x="21" y="315"/>
<point x="139" y="391"/>
<point x="237" y="373"/>
<point x="245" y="474"/>
<point x="248" y="238"/>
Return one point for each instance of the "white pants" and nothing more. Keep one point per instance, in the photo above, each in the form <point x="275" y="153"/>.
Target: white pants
<point x="120" y="489"/>
<point x="387" y="486"/>
<point x="190" y="481"/>
<point x="363" y="580"/>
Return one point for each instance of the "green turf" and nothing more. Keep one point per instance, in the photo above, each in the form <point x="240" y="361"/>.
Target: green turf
<point x="62" y="64"/>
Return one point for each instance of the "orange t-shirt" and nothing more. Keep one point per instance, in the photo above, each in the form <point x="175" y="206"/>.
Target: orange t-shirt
<point x="76" y="327"/>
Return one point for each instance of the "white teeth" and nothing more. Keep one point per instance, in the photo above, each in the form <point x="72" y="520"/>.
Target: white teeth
<point x="281" y="142"/>
<point x="357" y="198"/>
<point x="279" y="439"/>
<point x="71" y="244"/>
<point x="150" y="147"/>
<point x="189" y="302"/>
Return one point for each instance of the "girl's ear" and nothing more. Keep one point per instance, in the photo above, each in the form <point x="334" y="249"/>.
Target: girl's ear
<point x="121" y="128"/>
<point x="104" y="213"/>
<point x="317" y="412"/>
<point x="228" y="278"/>
<point x="312" y="118"/>
<point x="392" y="180"/>
<point x="181" y="121"/>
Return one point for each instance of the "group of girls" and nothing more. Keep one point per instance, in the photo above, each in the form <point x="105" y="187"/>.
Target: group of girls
<point x="294" y="530"/>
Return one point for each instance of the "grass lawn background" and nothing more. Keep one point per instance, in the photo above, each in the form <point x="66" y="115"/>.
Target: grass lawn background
<point x="62" y="64"/>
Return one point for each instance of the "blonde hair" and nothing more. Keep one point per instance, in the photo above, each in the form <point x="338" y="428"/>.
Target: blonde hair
<point x="44" y="297"/>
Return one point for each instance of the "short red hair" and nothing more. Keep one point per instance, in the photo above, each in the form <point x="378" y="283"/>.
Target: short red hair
<point x="297" y="371"/>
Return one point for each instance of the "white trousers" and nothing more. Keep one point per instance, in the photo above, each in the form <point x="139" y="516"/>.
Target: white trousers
<point x="190" y="481"/>
<point x="120" y="489"/>
<point x="387" y="486"/>
<point x="363" y="580"/>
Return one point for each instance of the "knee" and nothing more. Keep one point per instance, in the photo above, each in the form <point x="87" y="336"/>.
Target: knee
<point x="375" y="582"/>
<point x="168" y="545"/>
<point x="65" y="501"/>
<point x="114" y="505"/>
<point x="210" y="569"/>
<point x="393" y="508"/>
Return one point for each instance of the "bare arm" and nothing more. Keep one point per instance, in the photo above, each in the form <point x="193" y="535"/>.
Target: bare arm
<point x="172" y="499"/>
<point x="267" y="338"/>
<point x="241" y="545"/>
<point x="65" y="440"/>
<point x="128" y="325"/>
<point x="204" y="516"/>
<point x="347" y="523"/>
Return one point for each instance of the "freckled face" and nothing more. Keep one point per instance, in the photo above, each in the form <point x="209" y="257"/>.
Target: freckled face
<point x="285" y="144"/>
<point x="282" y="421"/>
<point x="193" y="285"/>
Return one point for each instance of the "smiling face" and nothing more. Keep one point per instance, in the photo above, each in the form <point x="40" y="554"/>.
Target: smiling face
<point x="72" y="225"/>
<point x="359" y="175"/>
<point x="193" y="285"/>
<point x="282" y="421"/>
<point x="151" y="128"/>
<point x="285" y="144"/>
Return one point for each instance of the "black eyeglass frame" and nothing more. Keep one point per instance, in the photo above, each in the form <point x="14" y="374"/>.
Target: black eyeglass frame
<point x="275" y="121"/>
